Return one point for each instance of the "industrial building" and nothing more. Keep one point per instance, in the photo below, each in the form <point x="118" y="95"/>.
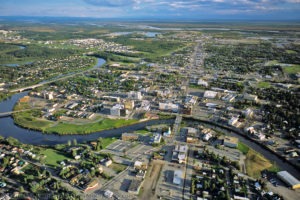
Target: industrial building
<point x="289" y="179"/>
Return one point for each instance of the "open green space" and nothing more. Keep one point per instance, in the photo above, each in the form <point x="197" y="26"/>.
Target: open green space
<point x="30" y="118"/>
<point x="118" y="167"/>
<point x="263" y="84"/>
<point x="293" y="69"/>
<point x="243" y="148"/>
<point x="53" y="157"/>
<point x="255" y="163"/>
<point x="63" y="128"/>
<point x="142" y="132"/>
<point x="107" y="141"/>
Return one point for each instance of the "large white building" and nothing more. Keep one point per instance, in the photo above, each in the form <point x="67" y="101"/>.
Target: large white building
<point x="169" y="107"/>
<point x="178" y="177"/>
<point x="118" y="110"/>
<point x="210" y="94"/>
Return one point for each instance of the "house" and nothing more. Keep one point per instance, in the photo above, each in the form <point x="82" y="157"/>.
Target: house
<point x="106" y="162"/>
<point x="231" y="142"/>
<point x="135" y="186"/>
<point x="130" y="137"/>
<point x="91" y="185"/>
<point x="178" y="177"/>
<point x="118" y="110"/>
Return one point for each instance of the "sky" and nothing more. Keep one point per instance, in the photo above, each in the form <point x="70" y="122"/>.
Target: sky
<point x="155" y="9"/>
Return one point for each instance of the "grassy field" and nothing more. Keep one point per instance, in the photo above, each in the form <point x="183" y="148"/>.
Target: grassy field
<point x="255" y="163"/>
<point x="118" y="167"/>
<point x="29" y="119"/>
<point x="263" y="84"/>
<point x="63" y="128"/>
<point x="243" y="148"/>
<point x="108" y="141"/>
<point x="53" y="157"/>
<point x="142" y="132"/>
<point x="294" y="69"/>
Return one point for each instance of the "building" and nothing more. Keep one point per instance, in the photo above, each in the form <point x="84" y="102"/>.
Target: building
<point x="202" y="83"/>
<point x="250" y="97"/>
<point x="191" y="134"/>
<point x="168" y="133"/>
<point x="169" y="107"/>
<point x="135" y="95"/>
<point x="135" y="186"/>
<point x="156" y="139"/>
<point x="190" y="100"/>
<point x="207" y="136"/>
<point x="178" y="177"/>
<point x="129" y="104"/>
<point x="180" y="153"/>
<point x="108" y="194"/>
<point x="233" y="121"/>
<point x="210" y="94"/>
<point x="130" y="137"/>
<point x="289" y="179"/>
<point x="106" y="162"/>
<point x="248" y="113"/>
<point x="118" y="110"/>
<point x="231" y="142"/>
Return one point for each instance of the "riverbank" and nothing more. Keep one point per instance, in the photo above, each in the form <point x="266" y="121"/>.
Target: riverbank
<point x="31" y="119"/>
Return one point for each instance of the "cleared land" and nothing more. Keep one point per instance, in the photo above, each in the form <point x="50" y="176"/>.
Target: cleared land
<point x="53" y="157"/>
<point x="151" y="179"/>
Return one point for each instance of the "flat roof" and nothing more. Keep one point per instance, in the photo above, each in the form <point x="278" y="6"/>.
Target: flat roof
<point x="288" y="178"/>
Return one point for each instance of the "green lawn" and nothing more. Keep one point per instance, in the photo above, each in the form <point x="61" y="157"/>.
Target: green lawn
<point x="30" y="119"/>
<point x="53" y="157"/>
<point x="263" y="84"/>
<point x="68" y="128"/>
<point x="142" y="132"/>
<point x="107" y="141"/>
<point x="294" y="69"/>
<point x="118" y="167"/>
<point x="243" y="148"/>
<point x="291" y="51"/>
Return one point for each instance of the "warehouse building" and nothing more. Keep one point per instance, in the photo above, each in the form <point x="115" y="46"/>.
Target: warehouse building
<point x="289" y="179"/>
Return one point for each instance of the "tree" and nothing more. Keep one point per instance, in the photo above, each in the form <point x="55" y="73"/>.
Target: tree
<point x="21" y="189"/>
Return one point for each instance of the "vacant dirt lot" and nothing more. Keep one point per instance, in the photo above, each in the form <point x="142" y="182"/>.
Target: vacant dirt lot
<point x="151" y="179"/>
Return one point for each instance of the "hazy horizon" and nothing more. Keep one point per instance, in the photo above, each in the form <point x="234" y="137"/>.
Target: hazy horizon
<point x="258" y="10"/>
